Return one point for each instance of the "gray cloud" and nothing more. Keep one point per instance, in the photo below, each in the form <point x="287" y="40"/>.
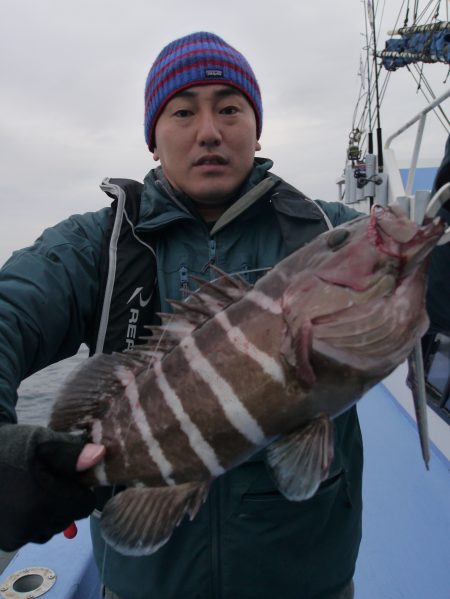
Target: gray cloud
<point x="73" y="73"/>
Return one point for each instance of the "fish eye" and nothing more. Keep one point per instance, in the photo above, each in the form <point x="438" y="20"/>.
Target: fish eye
<point x="337" y="238"/>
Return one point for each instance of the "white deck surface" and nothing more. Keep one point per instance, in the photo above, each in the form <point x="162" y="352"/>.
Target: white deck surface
<point x="405" y="553"/>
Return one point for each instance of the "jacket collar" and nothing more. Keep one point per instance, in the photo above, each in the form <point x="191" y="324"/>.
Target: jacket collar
<point x="161" y="205"/>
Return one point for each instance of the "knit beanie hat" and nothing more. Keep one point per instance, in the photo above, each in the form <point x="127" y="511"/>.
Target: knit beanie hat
<point x="197" y="59"/>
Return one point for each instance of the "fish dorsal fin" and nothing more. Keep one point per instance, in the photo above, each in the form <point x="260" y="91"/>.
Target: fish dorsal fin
<point x="202" y="304"/>
<point x="139" y="521"/>
<point x="227" y="281"/>
<point x="213" y="296"/>
<point x="173" y="328"/>
<point x="299" y="462"/>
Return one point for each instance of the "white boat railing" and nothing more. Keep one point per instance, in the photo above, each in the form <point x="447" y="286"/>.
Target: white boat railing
<point x="389" y="187"/>
<point x="421" y="119"/>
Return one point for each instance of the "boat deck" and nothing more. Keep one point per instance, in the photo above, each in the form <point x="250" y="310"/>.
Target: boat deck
<point x="405" y="552"/>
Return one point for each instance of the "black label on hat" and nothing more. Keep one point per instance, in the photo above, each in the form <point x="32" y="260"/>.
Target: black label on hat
<point x="213" y="73"/>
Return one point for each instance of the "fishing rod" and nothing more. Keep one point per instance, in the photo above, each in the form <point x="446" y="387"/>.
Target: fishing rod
<point x="369" y="83"/>
<point x="377" y="91"/>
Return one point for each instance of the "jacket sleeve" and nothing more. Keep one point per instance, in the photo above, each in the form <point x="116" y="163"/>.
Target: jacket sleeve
<point x="443" y="174"/>
<point x="338" y="212"/>
<point x="438" y="292"/>
<point x="48" y="296"/>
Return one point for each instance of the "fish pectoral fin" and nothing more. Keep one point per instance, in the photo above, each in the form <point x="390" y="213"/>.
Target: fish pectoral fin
<point x="297" y="349"/>
<point x="299" y="462"/>
<point x="139" y="521"/>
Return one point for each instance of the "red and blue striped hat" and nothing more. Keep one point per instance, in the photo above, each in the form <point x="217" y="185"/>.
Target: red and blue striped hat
<point x="197" y="59"/>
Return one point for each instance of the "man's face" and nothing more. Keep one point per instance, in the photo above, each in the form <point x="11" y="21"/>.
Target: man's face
<point x="206" y="142"/>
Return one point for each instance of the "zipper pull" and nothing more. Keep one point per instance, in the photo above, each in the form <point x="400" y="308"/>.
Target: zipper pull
<point x="212" y="257"/>
<point x="212" y="251"/>
<point x="184" y="282"/>
<point x="244" y="273"/>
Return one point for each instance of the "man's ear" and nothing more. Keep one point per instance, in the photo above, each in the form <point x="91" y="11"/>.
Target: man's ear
<point x="257" y="146"/>
<point x="155" y="154"/>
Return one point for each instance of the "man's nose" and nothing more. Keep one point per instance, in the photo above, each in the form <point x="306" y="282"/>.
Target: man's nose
<point x="208" y="133"/>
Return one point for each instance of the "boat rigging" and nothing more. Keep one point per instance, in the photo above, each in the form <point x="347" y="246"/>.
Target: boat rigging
<point x="418" y="38"/>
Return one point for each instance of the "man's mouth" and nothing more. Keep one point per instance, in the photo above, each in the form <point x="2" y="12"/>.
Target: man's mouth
<point x="211" y="159"/>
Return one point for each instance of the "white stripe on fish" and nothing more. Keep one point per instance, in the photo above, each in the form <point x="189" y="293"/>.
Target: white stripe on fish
<point x="128" y="380"/>
<point x="97" y="437"/>
<point x="199" y="445"/>
<point x="240" y="341"/>
<point x="264" y="301"/>
<point x="118" y="431"/>
<point x="234" y="409"/>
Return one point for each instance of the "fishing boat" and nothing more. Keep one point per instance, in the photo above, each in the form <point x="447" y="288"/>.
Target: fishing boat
<point x="398" y="557"/>
<point x="405" y="547"/>
<point x="377" y="176"/>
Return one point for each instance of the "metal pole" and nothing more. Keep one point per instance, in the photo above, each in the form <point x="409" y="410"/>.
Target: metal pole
<point x="415" y="156"/>
<point x="411" y="122"/>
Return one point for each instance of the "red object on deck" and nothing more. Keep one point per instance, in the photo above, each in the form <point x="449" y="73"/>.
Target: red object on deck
<point x="71" y="531"/>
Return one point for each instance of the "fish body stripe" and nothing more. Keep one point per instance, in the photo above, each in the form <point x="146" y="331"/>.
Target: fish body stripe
<point x="128" y="380"/>
<point x="240" y="341"/>
<point x="262" y="300"/>
<point x="121" y="437"/>
<point x="234" y="409"/>
<point x="198" y="443"/>
<point x="97" y="437"/>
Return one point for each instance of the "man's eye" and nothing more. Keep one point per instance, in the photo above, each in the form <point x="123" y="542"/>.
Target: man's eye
<point x="182" y="113"/>
<point x="229" y="110"/>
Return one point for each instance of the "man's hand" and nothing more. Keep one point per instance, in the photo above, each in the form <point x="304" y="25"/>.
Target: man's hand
<point x="90" y="455"/>
<point x="40" y="495"/>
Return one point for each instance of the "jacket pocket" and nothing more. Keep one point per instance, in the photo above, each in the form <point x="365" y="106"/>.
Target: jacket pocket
<point x="312" y="544"/>
<point x="273" y="496"/>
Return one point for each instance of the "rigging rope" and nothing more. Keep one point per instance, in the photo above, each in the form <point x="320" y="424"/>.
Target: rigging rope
<point x="423" y="13"/>
<point x="377" y="77"/>
<point x="406" y="21"/>
<point x="431" y="97"/>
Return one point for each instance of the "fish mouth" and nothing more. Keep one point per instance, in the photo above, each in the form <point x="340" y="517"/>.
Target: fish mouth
<point x="415" y="253"/>
<point x="393" y="234"/>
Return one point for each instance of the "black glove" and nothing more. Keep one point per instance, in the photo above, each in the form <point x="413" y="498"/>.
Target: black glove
<point x="39" y="494"/>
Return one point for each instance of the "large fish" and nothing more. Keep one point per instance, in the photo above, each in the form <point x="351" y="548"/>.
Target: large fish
<point x="238" y="368"/>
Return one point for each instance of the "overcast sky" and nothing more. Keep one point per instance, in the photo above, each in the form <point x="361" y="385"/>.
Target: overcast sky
<point x="72" y="79"/>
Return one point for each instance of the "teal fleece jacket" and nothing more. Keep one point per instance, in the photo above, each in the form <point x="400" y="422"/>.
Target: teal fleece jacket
<point x="247" y="541"/>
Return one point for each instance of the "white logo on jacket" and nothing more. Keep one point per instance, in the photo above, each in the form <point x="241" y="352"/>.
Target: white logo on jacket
<point x="142" y="302"/>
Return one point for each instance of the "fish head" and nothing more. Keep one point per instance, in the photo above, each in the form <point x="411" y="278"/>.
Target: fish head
<point x="384" y="244"/>
<point x="360" y="290"/>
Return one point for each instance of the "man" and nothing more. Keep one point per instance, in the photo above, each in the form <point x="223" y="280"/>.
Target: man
<point x="210" y="202"/>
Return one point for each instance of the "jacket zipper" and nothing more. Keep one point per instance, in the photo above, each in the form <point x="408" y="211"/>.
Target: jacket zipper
<point x="214" y="513"/>
<point x="214" y="495"/>
<point x="211" y="258"/>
